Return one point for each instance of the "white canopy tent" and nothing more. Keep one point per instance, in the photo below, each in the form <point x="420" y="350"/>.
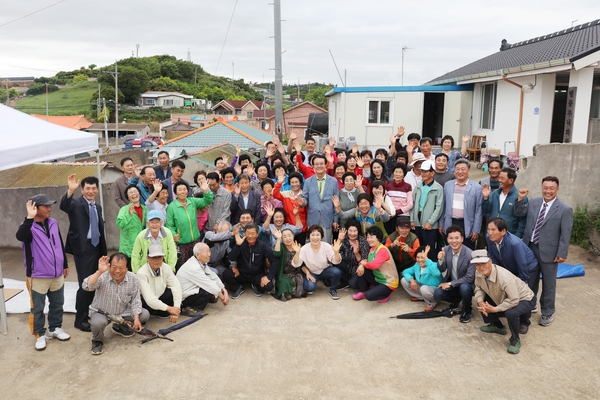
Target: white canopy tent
<point x="27" y="140"/>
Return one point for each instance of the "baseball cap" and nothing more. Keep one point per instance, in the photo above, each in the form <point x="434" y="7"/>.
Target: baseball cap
<point x="427" y="166"/>
<point x="154" y="214"/>
<point x="479" y="257"/>
<point x="403" y="221"/>
<point x="41" y="200"/>
<point x="155" y="250"/>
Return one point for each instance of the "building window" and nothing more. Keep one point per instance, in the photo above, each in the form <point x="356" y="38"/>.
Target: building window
<point x="249" y="114"/>
<point x="168" y="102"/>
<point x="150" y="102"/>
<point x="379" y="112"/>
<point x="488" y="106"/>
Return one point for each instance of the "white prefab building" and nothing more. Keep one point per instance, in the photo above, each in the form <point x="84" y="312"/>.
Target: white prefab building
<point x="541" y="90"/>
<point x="164" y="99"/>
<point x="371" y="114"/>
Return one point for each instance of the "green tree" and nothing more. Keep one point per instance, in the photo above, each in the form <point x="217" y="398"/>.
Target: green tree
<point x="164" y="84"/>
<point x="40" y="88"/>
<point x="132" y="82"/>
<point x="80" y="78"/>
<point x="317" y="96"/>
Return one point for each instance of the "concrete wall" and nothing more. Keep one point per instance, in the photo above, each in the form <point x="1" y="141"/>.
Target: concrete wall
<point x="575" y="165"/>
<point x="13" y="213"/>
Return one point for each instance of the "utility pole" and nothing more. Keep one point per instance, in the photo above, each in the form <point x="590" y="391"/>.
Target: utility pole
<point x="98" y="103"/>
<point x="46" y="102"/>
<point x="105" y="121"/>
<point x="278" y="71"/>
<point x="7" y="95"/>
<point x="116" y="107"/>
<point x="404" y="48"/>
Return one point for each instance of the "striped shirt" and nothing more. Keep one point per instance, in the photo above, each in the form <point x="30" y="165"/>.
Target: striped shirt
<point x="219" y="208"/>
<point x="458" y="201"/>
<point x="116" y="298"/>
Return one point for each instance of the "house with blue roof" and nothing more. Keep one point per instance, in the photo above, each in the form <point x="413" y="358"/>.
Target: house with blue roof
<point x="232" y="132"/>
<point x="541" y="90"/>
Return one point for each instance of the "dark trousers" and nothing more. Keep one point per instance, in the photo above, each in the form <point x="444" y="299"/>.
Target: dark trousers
<point x="199" y="301"/>
<point x="548" y="270"/>
<point x="85" y="264"/>
<point x="235" y="282"/>
<point x="467" y="242"/>
<point x="166" y="297"/>
<point x="462" y="292"/>
<point x="516" y="316"/>
<point x="378" y="291"/>
<point x="428" y="238"/>
<point x="347" y="277"/>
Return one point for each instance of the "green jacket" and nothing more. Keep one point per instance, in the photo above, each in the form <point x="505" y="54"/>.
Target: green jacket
<point x="183" y="220"/>
<point x="139" y="255"/>
<point x="129" y="226"/>
<point x="283" y="283"/>
<point x="434" y="206"/>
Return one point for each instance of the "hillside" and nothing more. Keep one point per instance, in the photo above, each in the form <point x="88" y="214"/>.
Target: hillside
<point x="71" y="100"/>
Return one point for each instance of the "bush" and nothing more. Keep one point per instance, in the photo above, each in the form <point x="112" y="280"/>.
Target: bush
<point x="80" y="78"/>
<point x="584" y="223"/>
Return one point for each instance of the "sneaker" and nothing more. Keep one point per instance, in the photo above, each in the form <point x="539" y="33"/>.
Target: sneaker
<point x="190" y="312"/>
<point x="523" y="329"/>
<point x="535" y="310"/>
<point x="385" y="300"/>
<point x="454" y="306"/>
<point x="546" y="320"/>
<point x="465" y="317"/>
<point x="416" y="299"/>
<point x="236" y="295"/>
<point x="343" y="286"/>
<point x="514" y="346"/>
<point x="431" y="308"/>
<point x="122" y="329"/>
<point x="60" y="334"/>
<point x="333" y="294"/>
<point x="257" y="292"/>
<point x="96" y="347"/>
<point x="359" y="296"/>
<point x="491" y="328"/>
<point x="40" y="343"/>
<point x="309" y="292"/>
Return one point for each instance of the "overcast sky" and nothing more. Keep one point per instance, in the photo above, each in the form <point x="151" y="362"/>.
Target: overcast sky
<point x="365" y="37"/>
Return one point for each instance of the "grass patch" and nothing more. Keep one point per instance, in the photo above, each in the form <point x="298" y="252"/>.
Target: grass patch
<point x="72" y="99"/>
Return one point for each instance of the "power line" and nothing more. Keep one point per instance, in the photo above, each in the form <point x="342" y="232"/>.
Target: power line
<point x="35" y="12"/>
<point x="226" y="35"/>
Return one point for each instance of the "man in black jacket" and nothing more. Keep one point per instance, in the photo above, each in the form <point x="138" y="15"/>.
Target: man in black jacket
<point x="85" y="240"/>
<point x="253" y="258"/>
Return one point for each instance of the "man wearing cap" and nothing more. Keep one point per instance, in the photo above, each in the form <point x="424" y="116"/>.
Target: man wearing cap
<point x="457" y="285"/>
<point x="403" y="244"/>
<point x="500" y="293"/>
<point x="428" y="205"/>
<point x="160" y="289"/>
<point x="155" y="234"/>
<point x="85" y="240"/>
<point x="462" y="204"/>
<point x="45" y="268"/>
<point x="413" y="177"/>
<point x="199" y="284"/>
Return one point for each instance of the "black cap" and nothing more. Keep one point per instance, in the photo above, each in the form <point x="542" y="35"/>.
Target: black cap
<point x="41" y="200"/>
<point x="403" y="221"/>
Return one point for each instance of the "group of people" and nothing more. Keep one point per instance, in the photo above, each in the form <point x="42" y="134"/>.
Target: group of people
<point x="407" y="217"/>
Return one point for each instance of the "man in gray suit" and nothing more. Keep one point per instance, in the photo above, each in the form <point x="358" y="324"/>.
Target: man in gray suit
<point x="548" y="233"/>
<point x="316" y="195"/>
<point x="458" y="284"/>
<point x="462" y="204"/>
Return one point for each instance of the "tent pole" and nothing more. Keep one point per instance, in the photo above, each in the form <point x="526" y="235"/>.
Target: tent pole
<point x="4" y="325"/>
<point x="99" y="181"/>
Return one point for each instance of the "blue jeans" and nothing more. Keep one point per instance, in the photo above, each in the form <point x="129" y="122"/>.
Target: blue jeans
<point x="332" y="273"/>
<point x="463" y="292"/>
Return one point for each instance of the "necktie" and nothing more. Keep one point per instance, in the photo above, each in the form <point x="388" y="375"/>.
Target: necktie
<point x="538" y="225"/>
<point x="94" y="225"/>
<point x="321" y="183"/>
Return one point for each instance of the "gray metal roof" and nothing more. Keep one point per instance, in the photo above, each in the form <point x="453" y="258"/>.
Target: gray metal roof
<point x="554" y="49"/>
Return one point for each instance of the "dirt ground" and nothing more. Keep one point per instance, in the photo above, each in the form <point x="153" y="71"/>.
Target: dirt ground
<point x="316" y="348"/>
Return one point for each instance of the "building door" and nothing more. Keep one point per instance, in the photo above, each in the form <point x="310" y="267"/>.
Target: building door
<point x="433" y="116"/>
<point x="558" y="115"/>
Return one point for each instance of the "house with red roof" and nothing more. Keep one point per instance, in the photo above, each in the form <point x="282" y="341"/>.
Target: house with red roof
<point x="78" y="122"/>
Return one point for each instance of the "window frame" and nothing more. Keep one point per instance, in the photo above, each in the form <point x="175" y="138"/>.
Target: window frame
<point x="379" y="101"/>
<point x="490" y="120"/>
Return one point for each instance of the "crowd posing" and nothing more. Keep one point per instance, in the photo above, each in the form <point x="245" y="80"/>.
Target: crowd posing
<point x="406" y="217"/>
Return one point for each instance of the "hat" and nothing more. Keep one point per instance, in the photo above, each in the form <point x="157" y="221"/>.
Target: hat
<point x="416" y="158"/>
<point x="479" y="257"/>
<point x="403" y="221"/>
<point x="427" y="166"/>
<point x="155" y="250"/>
<point x="154" y="214"/>
<point x="41" y="200"/>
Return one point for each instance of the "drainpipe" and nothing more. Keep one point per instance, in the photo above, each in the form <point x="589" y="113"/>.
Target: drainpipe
<point x="504" y="78"/>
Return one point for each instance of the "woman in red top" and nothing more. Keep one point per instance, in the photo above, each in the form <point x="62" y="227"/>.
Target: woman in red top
<point x="289" y="199"/>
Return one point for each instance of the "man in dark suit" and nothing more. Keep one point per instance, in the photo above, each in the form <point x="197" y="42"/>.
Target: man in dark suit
<point x="458" y="283"/>
<point x="317" y="196"/>
<point x="243" y="198"/>
<point x="85" y="239"/>
<point x="548" y="233"/>
<point x="462" y="204"/>
<point x="177" y="170"/>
